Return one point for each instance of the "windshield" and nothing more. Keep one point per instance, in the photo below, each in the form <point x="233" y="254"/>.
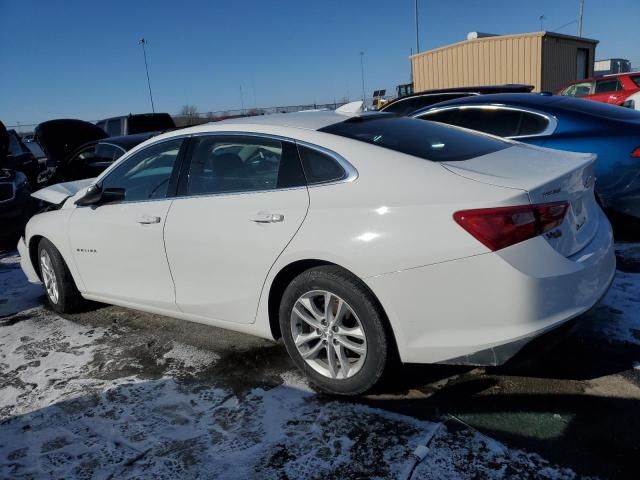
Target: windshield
<point x="429" y="140"/>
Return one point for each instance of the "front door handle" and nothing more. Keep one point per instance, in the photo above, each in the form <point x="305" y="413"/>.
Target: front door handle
<point x="268" y="218"/>
<point x="148" y="219"/>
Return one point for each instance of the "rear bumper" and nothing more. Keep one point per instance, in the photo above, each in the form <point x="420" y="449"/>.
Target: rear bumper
<point x="25" y="262"/>
<point x="481" y="310"/>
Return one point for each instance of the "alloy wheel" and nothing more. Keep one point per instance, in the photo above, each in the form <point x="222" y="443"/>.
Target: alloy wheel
<point x="328" y="334"/>
<point x="49" y="276"/>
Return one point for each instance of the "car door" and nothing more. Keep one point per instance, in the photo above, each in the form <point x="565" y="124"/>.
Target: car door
<point x="119" y="247"/>
<point x="240" y="203"/>
<point x="608" y="90"/>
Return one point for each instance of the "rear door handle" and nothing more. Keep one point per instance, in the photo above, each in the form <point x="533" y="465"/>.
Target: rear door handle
<point x="268" y="218"/>
<point x="148" y="219"/>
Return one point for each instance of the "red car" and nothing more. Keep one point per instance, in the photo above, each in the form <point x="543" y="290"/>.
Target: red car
<point x="612" y="89"/>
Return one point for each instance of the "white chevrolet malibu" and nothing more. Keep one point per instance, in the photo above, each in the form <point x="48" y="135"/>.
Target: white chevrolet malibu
<point x="356" y="240"/>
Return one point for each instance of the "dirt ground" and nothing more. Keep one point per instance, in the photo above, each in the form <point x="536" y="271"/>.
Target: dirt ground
<point x="113" y="393"/>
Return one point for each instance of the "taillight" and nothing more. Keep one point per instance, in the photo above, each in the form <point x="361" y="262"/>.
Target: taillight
<point x="501" y="227"/>
<point x="636" y="153"/>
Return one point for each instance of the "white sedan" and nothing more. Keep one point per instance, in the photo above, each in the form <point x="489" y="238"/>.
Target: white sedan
<point x="359" y="241"/>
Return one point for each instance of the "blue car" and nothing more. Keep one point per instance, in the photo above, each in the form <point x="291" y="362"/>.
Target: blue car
<point x="563" y="123"/>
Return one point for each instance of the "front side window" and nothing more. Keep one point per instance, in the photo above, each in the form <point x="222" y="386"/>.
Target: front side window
<point x="500" y="122"/>
<point x="494" y="120"/>
<point x="227" y="164"/>
<point x="578" y="90"/>
<point x="605" y="86"/>
<point x="146" y="174"/>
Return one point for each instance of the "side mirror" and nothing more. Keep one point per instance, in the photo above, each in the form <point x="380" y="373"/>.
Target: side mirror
<point x="95" y="195"/>
<point x="91" y="197"/>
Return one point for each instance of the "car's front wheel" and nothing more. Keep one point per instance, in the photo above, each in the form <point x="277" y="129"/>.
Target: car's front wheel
<point x="61" y="290"/>
<point x="334" y="331"/>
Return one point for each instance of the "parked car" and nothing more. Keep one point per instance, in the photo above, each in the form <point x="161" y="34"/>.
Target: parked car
<point x="92" y="158"/>
<point x="633" y="101"/>
<point x="411" y="103"/>
<point x="137" y="123"/>
<point x="562" y="123"/>
<point x="21" y="159"/>
<point x="613" y="89"/>
<point x="78" y="149"/>
<point x="354" y="239"/>
<point x="16" y="205"/>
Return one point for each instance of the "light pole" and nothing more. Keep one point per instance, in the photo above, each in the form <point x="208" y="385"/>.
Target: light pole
<point x="580" y="13"/>
<point x="146" y="66"/>
<point x="417" y="30"/>
<point x="364" y="101"/>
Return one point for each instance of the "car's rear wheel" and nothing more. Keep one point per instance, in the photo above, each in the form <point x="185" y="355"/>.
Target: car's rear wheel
<point x="334" y="331"/>
<point x="62" y="294"/>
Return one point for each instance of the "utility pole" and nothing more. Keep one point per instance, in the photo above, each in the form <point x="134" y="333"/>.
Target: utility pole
<point x="362" y="74"/>
<point x="146" y="66"/>
<point x="415" y="3"/>
<point x="580" y="13"/>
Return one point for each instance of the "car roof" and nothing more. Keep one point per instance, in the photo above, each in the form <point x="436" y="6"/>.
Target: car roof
<point x="500" y="98"/>
<point x="605" y="77"/>
<point x="308" y="120"/>
<point x="128" y="141"/>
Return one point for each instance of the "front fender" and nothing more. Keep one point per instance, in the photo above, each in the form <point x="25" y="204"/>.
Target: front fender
<point x="54" y="226"/>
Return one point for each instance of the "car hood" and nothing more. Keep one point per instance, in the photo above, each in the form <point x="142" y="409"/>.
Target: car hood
<point x="58" y="193"/>
<point x="60" y="138"/>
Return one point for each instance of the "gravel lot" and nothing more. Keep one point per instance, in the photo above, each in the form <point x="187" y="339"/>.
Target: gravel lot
<point x="113" y="393"/>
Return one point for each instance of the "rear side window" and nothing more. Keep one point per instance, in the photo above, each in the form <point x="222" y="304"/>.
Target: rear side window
<point x="604" y="86"/>
<point x="427" y="140"/>
<point x="319" y="167"/>
<point x="532" y="124"/>
<point x="636" y="80"/>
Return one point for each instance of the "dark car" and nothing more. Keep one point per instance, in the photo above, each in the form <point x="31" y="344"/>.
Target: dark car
<point x="16" y="205"/>
<point x="93" y="158"/>
<point x="411" y="103"/>
<point x="136" y="123"/>
<point x="563" y="123"/>
<point x="77" y="149"/>
<point x="21" y="159"/>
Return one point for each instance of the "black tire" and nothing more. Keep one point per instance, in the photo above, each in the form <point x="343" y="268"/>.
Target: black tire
<point x="349" y="288"/>
<point x="69" y="299"/>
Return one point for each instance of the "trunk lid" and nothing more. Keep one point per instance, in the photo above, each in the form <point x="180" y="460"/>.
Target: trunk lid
<point x="547" y="176"/>
<point x="60" y="138"/>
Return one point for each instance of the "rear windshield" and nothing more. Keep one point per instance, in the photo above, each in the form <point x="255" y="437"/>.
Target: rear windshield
<point x="420" y="138"/>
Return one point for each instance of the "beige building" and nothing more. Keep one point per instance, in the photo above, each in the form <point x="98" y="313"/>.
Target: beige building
<point x="543" y="59"/>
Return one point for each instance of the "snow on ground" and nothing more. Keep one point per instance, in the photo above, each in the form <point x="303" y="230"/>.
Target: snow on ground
<point x="78" y="401"/>
<point x="617" y="318"/>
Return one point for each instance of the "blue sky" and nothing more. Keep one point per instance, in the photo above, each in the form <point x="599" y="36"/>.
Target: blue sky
<point x="81" y="58"/>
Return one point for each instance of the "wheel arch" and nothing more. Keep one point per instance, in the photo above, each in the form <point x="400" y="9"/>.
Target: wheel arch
<point x="290" y="271"/>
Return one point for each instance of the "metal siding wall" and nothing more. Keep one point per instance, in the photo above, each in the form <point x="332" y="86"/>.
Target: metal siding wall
<point x="489" y="61"/>
<point x="560" y="61"/>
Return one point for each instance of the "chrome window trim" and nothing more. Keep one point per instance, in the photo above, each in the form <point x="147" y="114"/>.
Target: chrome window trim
<point x="552" y="121"/>
<point x="13" y="191"/>
<point x="351" y="174"/>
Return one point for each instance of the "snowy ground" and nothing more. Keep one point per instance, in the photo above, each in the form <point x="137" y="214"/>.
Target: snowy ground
<point x="113" y="393"/>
